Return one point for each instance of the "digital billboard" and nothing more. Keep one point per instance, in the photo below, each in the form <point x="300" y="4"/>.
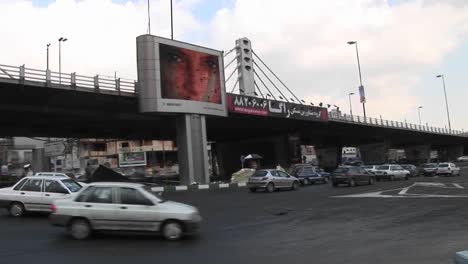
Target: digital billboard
<point x="131" y="159"/>
<point x="179" y="77"/>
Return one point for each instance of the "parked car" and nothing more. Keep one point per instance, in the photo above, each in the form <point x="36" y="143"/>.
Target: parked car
<point x="36" y="193"/>
<point x="309" y="175"/>
<point x="59" y="174"/>
<point x="125" y="207"/>
<point x="351" y="176"/>
<point x="462" y="158"/>
<point x="271" y="180"/>
<point x="391" y="172"/>
<point x="429" y="169"/>
<point x="370" y="168"/>
<point x="447" y="169"/>
<point x="413" y="170"/>
<point x="323" y="173"/>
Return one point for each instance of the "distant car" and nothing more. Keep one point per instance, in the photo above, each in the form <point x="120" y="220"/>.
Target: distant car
<point x="447" y="169"/>
<point x="309" y="175"/>
<point x="462" y="158"/>
<point x="124" y="207"/>
<point x="271" y="180"/>
<point x="36" y="193"/>
<point x="429" y="169"/>
<point x="413" y="170"/>
<point x="370" y="168"/>
<point x="391" y="172"/>
<point x="323" y="173"/>
<point x="351" y="176"/>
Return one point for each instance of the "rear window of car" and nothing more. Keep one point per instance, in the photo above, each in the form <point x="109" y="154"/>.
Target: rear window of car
<point x="72" y="185"/>
<point x="443" y="165"/>
<point x="260" y="173"/>
<point x="342" y="170"/>
<point x="367" y="167"/>
<point x="382" y="167"/>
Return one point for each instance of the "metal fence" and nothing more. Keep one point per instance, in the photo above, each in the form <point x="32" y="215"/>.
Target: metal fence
<point x="50" y="78"/>
<point x="102" y="83"/>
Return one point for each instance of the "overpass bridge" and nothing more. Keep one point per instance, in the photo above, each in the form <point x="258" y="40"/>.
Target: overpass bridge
<point x="40" y="103"/>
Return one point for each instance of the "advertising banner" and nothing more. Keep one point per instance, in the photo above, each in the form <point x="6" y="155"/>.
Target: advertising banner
<point x="362" y="94"/>
<point x="264" y="107"/>
<point x="179" y="77"/>
<point x="132" y="159"/>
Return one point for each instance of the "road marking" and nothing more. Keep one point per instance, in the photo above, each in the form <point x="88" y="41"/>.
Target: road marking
<point x="181" y="188"/>
<point x="224" y="185"/>
<point x="404" y="190"/>
<point x="203" y="187"/>
<point x="458" y="186"/>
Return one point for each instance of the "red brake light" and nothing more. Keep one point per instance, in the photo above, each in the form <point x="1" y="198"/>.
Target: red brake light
<point x="53" y="208"/>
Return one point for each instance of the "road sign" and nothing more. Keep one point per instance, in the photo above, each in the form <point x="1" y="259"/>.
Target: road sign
<point x="57" y="148"/>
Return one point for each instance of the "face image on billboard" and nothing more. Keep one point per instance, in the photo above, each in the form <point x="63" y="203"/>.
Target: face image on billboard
<point x="189" y="75"/>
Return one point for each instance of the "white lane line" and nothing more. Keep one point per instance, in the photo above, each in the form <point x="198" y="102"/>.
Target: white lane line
<point x="203" y="187"/>
<point x="458" y="186"/>
<point x="404" y="190"/>
<point x="181" y="188"/>
<point x="224" y="185"/>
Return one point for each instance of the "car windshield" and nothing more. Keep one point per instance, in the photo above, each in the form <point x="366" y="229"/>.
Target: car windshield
<point x="341" y="170"/>
<point x="382" y="167"/>
<point x="72" y="185"/>
<point x="428" y="166"/>
<point x="260" y="173"/>
<point x="443" y="165"/>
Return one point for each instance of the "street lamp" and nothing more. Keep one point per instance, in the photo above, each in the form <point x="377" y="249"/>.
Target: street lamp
<point x="361" y="87"/>
<point x="48" y="45"/>
<point x="60" y="40"/>
<point x="446" y="103"/>
<point x="350" y="106"/>
<point x="419" y="114"/>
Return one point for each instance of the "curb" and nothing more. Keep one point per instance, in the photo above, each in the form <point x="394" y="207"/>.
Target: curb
<point x="214" y="186"/>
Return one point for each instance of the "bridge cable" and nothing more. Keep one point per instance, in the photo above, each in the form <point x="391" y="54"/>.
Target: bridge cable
<point x="259" y="90"/>
<point x="227" y="80"/>
<point x="255" y="54"/>
<point x="271" y="81"/>
<point x="256" y="74"/>
<point x="229" y="64"/>
<point x="229" y="52"/>
<point x="235" y="84"/>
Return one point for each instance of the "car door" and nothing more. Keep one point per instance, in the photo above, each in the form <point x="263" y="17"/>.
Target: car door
<point x="135" y="211"/>
<point x="363" y="175"/>
<point x="276" y="178"/>
<point x="98" y="205"/>
<point x="31" y="195"/>
<point x="456" y="170"/>
<point x="285" y="179"/>
<point x="53" y="190"/>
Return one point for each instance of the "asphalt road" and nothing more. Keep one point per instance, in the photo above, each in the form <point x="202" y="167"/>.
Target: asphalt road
<point x="310" y="225"/>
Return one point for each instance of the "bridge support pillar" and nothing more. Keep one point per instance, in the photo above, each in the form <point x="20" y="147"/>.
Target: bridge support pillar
<point x="450" y="152"/>
<point x="192" y="149"/>
<point x="375" y="153"/>
<point x="418" y="154"/>
<point x="329" y="158"/>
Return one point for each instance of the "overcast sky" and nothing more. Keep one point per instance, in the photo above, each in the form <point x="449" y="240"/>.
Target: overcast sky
<point x="403" y="45"/>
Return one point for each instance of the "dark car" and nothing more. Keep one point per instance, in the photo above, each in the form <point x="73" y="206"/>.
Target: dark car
<point x="414" y="171"/>
<point x="351" y="176"/>
<point x="429" y="169"/>
<point x="323" y="173"/>
<point x="353" y="161"/>
<point x="309" y="174"/>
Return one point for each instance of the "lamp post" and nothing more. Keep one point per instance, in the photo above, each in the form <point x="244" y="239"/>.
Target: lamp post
<point x="361" y="87"/>
<point x="350" y="106"/>
<point x="48" y="45"/>
<point x="419" y="114"/>
<point x="61" y="39"/>
<point x="446" y="102"/>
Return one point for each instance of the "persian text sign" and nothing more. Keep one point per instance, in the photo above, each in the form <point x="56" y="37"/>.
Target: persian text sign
<point x="263" y="107"/>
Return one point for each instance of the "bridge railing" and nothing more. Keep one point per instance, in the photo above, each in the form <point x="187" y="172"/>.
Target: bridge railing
<point x="71" y="80"/>
<point x="337" y="116"/>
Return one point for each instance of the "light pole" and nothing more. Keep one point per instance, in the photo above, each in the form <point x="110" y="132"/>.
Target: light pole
<point x="446" y="102"/>
<point x="350" y="106"/>
<point x="419" y="114"/>
<point x="61" y="39"/>
<point x="48" y="45"/>
<point x="361" y="87"/>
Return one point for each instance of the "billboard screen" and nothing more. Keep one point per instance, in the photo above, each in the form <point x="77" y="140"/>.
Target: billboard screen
<point x="131" y="159"/>
<point x="179" y="77"/>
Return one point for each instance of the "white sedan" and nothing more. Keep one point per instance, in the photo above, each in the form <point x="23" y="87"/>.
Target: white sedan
<point x="126" y="207"/>
<point x="36" y="193"/>
<point x="391" y="172"/>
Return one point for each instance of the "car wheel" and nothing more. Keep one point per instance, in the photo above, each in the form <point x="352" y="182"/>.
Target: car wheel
<point x="16" y="209"/>
<point x="305" y="182"/>
<point x="172" y="230"/>
<point x="295" y="185"/>
<point x="407" y="177"/>
<point x="352" y="183"/>
<point x="79" y="229"/>
<point x="371" y="181"/>
<point x="325" y="180"/>
<point x="392" y="178"/>
<point x="253" y="189"/>
<point x="270" y="187"/>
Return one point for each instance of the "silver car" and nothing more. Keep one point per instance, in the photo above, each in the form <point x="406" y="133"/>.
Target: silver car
<point x="271" y="180"/>
<point x="126" y="207"/>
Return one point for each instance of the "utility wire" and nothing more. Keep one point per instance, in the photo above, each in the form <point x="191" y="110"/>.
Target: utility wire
<point x="256" y="74"/>
<point x="255" y="54"/>
<point x="285" y="98"/>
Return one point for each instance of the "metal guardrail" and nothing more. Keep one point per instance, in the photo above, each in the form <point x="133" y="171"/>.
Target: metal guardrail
<point x="96" y="83"/>
<point x="102" y="83"/>
<point x="335" y="116"/>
